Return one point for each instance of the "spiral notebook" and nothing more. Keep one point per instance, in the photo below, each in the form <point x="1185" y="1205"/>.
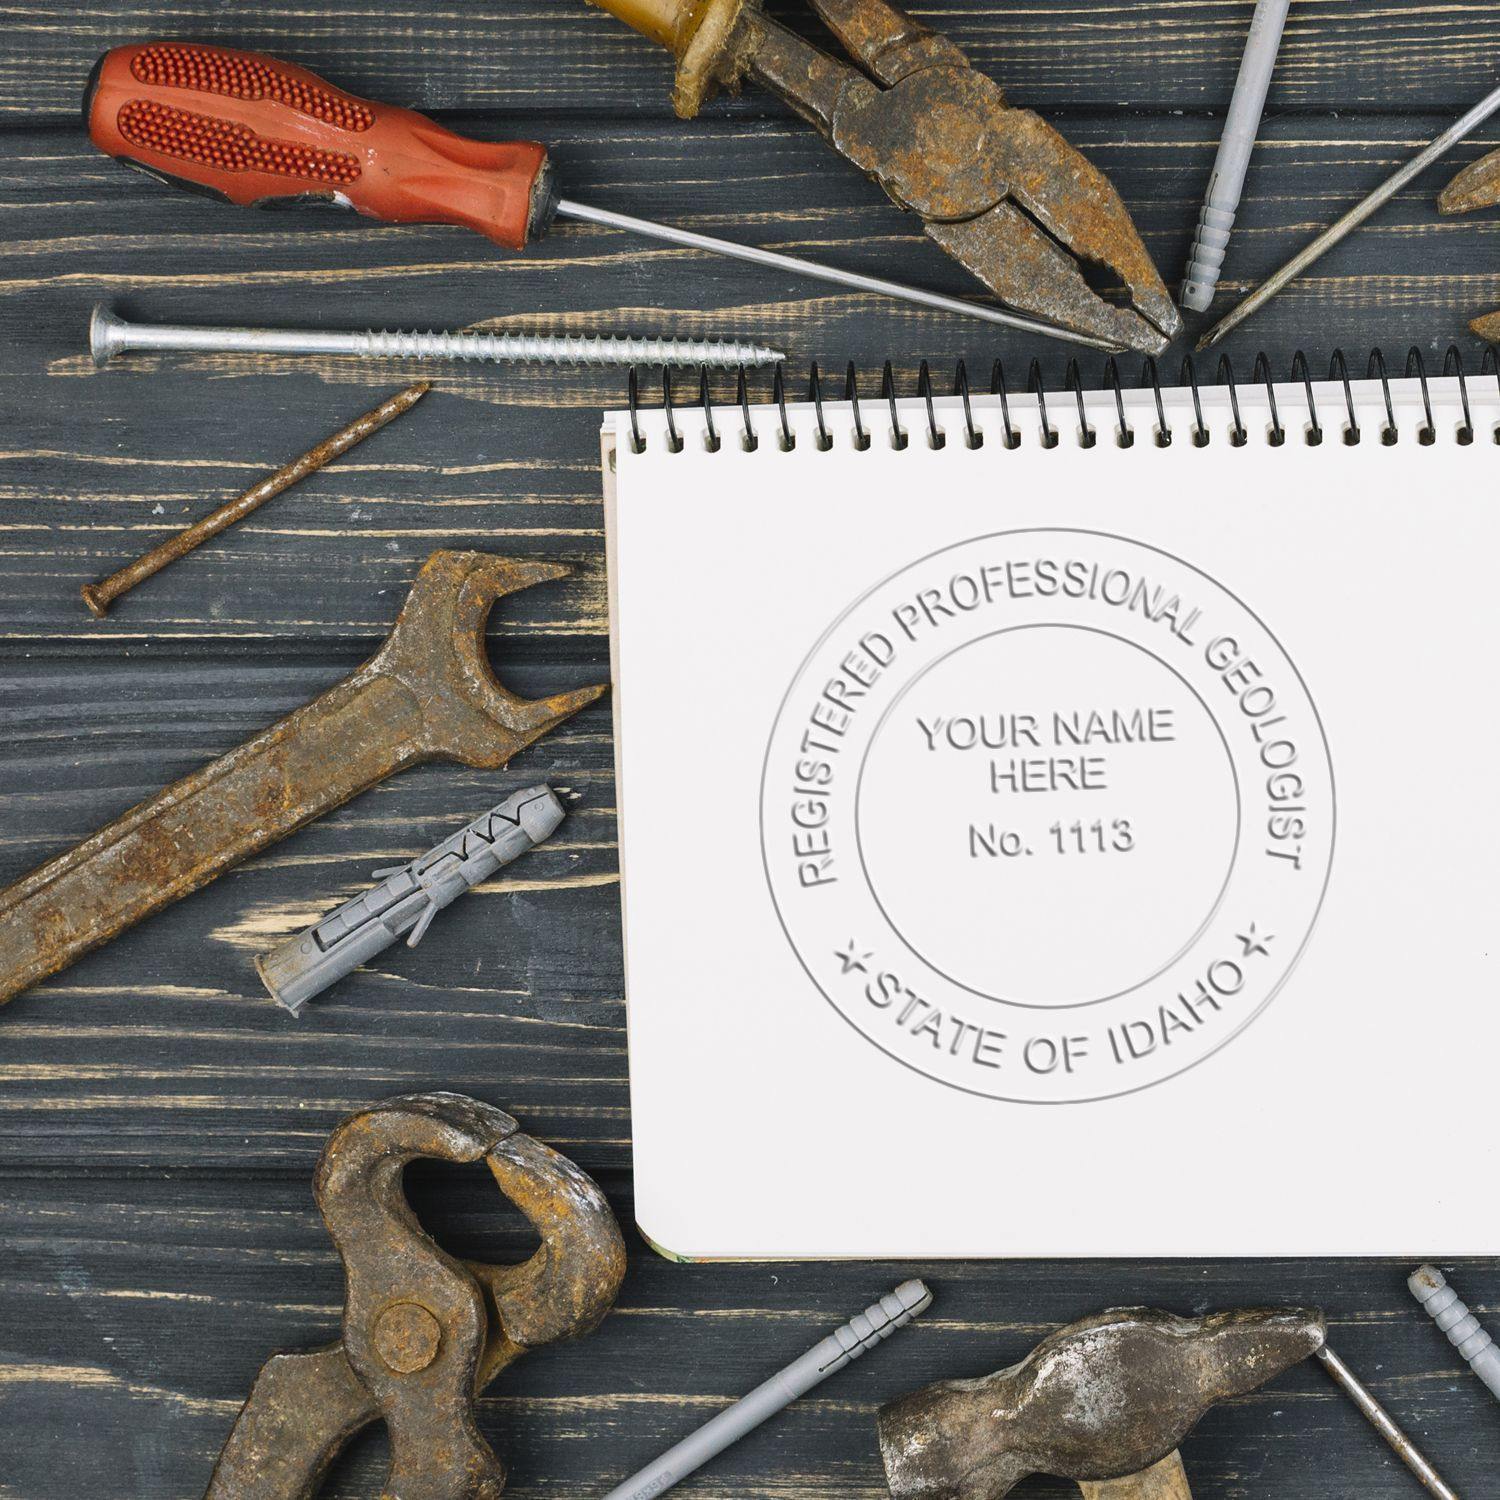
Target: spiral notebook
<point x="1064" y="824"/>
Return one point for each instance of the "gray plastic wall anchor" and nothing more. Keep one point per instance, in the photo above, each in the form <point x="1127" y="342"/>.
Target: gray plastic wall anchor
<point x="844" y="1345"/>
<point x="1227" y="181"/>
<point x="407" y="899"/>
<point x="1431" y="1289"/>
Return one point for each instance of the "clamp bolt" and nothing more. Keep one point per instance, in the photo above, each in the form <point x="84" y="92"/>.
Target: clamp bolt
<point x="407" y="1337"/>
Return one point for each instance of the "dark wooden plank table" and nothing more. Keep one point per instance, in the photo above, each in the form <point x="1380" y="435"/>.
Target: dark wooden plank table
<point x="159" y="1118"/>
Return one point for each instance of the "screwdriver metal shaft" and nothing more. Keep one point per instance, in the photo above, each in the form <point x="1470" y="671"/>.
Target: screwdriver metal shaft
<point x="754" y="255"/>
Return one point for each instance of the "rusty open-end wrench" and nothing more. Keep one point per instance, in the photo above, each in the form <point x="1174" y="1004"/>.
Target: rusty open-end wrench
<point x="428" y="694"/>
<point x="423" y="1334"/>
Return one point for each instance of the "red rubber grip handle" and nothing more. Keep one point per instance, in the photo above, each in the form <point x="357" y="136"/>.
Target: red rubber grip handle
<point x="257" y="131"/>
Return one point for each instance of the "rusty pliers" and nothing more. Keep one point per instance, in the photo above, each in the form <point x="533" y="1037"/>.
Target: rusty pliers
<point x="996" y="187"/>
<point x="423" y="1333"/>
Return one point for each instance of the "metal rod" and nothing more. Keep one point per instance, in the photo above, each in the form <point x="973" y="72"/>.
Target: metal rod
<point x="99" y="596"/>
<point x="1385" y="1425"/>
<point x="880" y="287"/>
<point x="1354" y="218"/>
<point x="111" y="335"/>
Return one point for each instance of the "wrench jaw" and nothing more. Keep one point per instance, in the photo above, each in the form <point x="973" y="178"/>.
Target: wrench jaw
<point x="438" y="649"/>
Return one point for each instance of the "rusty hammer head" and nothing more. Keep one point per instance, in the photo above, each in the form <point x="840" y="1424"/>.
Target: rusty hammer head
<point x="1108" y="1398"/>
<point x="437" y="652"/>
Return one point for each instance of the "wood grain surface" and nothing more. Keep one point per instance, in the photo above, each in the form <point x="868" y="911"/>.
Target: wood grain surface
<point x="159" y="1116"/>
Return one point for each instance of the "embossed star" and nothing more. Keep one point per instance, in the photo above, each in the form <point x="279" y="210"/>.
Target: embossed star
<point x="1253" y="942"/>
<point x="853" y="959"/>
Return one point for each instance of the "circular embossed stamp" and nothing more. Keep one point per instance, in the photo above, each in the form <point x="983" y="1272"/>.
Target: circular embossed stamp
<point x="1048" y="815"/>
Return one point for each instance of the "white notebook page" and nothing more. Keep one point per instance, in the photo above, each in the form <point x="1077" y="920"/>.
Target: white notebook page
<point x="1062" y="851"/>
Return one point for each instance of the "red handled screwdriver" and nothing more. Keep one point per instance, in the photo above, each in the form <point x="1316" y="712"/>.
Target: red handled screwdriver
<point x="255" y="131"/>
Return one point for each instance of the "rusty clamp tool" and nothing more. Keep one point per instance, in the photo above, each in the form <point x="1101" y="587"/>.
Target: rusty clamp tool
<point x="423" y="1333"/>
<point x="428" y="694"/>
<point x="998" y="188"/>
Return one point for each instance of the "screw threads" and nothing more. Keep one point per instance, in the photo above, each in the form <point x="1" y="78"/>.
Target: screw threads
<point x="535" y="349"/>
<point x="1444" y="1306"/>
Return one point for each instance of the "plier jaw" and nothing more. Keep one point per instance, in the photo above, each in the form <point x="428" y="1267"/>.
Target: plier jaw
<point x="999" y="189"/>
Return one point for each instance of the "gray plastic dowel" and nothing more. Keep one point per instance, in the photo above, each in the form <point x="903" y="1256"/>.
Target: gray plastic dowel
<point x="1431" y="1289"/>
<point x="894" y="1310"/>
<point x="1227" y="182"/>
<point x="407" y="899"/>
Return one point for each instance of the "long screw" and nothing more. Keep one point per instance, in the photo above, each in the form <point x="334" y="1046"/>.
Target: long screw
<point x="1430" y="1288"/>
<point x="1385" y="1424"/>
<point x="110" y="335"/>
<point x="1354" y="218"/>
<point x="99" y="596"/>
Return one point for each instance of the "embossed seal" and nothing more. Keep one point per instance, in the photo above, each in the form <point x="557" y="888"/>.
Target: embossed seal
<point x="1048" y="815"/>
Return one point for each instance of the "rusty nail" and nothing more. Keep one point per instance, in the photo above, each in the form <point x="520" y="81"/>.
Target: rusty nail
<point x="99" y="596"/>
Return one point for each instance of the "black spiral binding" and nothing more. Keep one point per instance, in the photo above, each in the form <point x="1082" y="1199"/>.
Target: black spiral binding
<point x="1124" y="434"/>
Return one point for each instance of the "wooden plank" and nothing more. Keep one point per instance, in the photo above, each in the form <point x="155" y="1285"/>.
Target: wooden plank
<point x="548" y="57"/>
<point x="140" y="1310"/>
<point x="93" y="467"/>
<point x="159" y="1116"/>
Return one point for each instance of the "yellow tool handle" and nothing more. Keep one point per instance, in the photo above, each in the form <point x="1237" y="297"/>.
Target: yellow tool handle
<point x="700" y="34"/>
<point x="670" y="22"/>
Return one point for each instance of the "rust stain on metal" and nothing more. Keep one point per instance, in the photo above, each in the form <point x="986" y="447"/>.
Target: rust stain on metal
<point x="996" y="187"/>
<point x="99" y="596"/>
<point x="1108" y="1398"/>
<point x="423" y="1334"/>
<point x="1476" y="187"/>
<point x="428" y="694"/>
